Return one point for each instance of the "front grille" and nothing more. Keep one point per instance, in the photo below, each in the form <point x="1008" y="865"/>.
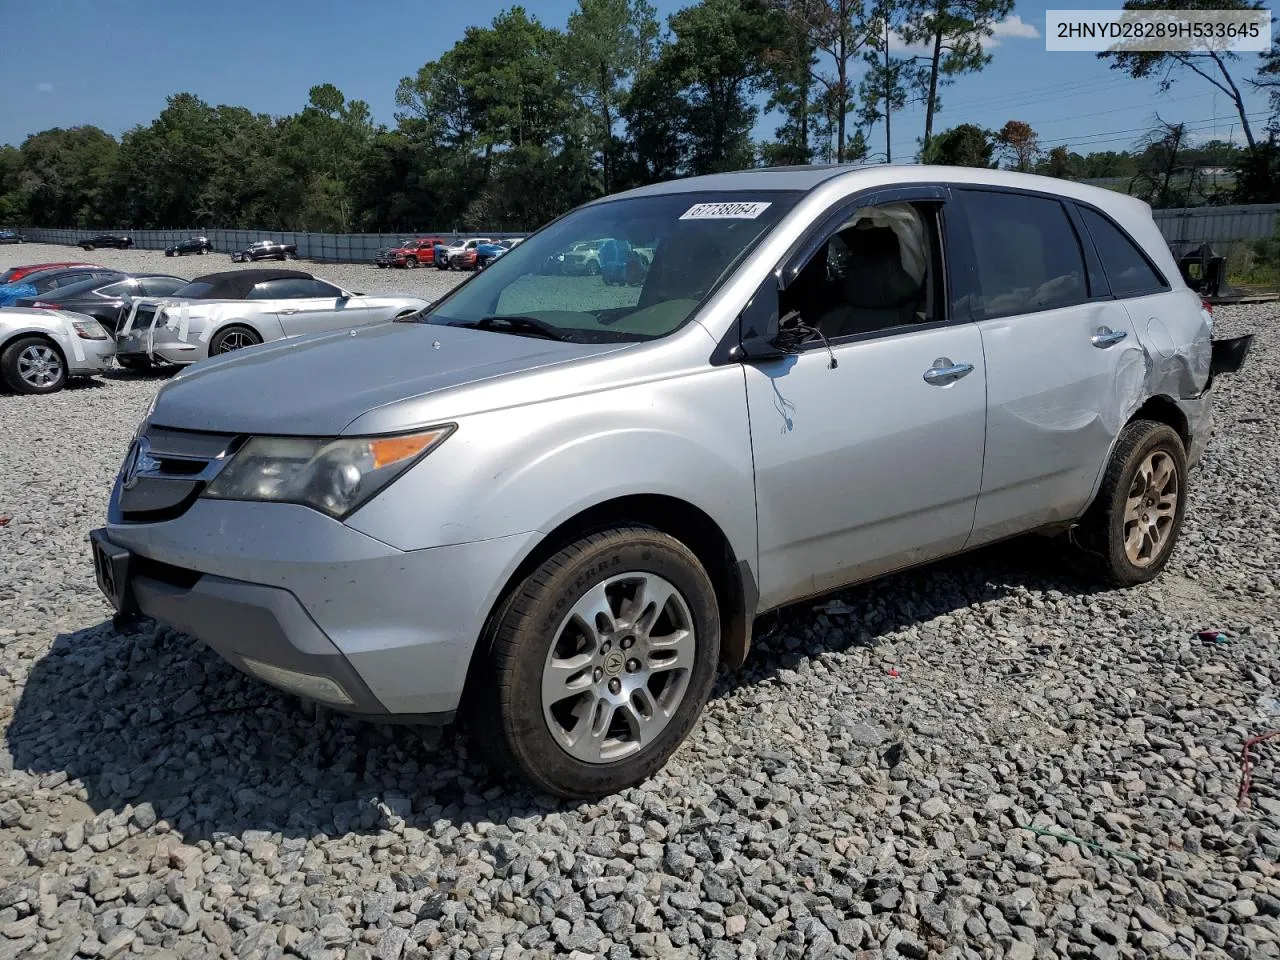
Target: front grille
<point x="166" y="471"/>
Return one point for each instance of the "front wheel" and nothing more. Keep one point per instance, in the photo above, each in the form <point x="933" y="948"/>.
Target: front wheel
<point x="1129" y="532"/>
<point x="232" y="338"/>
<point x="88" y="246"/>
<point x="411" y="263"/>
<point x="601" y="661"/>
<point x="33" y="365"/>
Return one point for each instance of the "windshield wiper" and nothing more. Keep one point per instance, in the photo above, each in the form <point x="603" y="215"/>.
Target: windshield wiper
<point x="519" y="324"/>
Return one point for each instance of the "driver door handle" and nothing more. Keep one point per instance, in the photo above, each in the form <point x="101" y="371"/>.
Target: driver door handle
<point x="944" y="372"/>
<point x="1106" y="337"/>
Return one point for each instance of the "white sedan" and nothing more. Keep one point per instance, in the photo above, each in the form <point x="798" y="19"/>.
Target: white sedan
<point x="41" y="349"/>
<point x="221" y="312"/>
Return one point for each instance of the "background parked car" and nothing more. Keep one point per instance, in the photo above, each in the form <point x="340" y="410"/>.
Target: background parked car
<point x="14" y="274"/>
<point x="117" y="240"/>
<point x="462" y="255"/>
<point x="410" y="253"/>
<point x="486" y="253"/>
<point x="9" y="236"/>
<point x="41" y="349"/>
<point x="265" y="250"/>
<point x="198" y="245"/>
<point x="222" y="312"/>
<point x="107" y="299"/>
<point x="34" y="284"/>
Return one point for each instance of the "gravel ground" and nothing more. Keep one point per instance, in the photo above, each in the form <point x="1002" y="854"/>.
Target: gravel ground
<point x="985" y="758"/>
<point x="356" y="277"/>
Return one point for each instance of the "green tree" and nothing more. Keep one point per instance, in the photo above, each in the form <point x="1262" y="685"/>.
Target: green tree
<point x="64" y="176"/>
<point x="838" y="31"/>
<point x="607" y="44"/>
<point x="954" y="31"/>
<point x="890" y="81"/>
<point x="965" y="145"/>
<point x="1212" y="66"/>
<point x="1060" y="162"/>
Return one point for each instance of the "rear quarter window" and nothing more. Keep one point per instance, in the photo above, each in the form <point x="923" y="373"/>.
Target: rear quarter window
<point x="1027" y="254"/>
<point x="1128" y="270"/>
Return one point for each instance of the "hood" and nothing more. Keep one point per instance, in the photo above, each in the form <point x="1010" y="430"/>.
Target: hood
<point x="318" y="384"/>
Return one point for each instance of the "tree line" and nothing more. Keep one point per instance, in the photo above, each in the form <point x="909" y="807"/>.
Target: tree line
<point x="520" y="121"/>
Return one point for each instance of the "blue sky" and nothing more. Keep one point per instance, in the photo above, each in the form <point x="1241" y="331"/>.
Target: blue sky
<point x="112" y="64"/>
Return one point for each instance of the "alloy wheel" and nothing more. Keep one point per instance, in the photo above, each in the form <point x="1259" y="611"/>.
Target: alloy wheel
<point x="235" y="340"/>
<point x="618" y="667"/>
<point x="1150" y="508"/>
<point x="40" y="366"/>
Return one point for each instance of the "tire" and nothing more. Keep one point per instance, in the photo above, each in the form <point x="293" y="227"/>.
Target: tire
<point x="88" y="246"/>
<point x="411" y="263"/>
<point x="535" y="626"/>
<point x="381" y="266"/>
<point x="203" y="251"/>
<point x="593" y="268"/>
<point x="232" y="338"/>
<point x="136" y="364"/>
<point x="33" y="365"/>
<point x="1131" y="528"/>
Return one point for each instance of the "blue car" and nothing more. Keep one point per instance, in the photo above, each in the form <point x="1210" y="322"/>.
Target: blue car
<point x="8" y="236"/>
<point x="486" y="253"/>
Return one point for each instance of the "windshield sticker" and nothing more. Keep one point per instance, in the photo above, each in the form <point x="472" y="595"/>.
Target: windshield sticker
<point x="725" y="211"/>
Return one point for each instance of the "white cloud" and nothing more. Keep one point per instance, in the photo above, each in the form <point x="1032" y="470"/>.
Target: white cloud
<point x="44" y="87"/>
<point x="1012" y="26"/>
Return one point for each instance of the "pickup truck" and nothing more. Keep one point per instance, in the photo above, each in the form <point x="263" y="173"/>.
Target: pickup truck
<point x="410" y="253"/>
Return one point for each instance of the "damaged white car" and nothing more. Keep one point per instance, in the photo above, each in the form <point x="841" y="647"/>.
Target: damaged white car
<point x="41" y="349"/>
<point x="222" y="312"/>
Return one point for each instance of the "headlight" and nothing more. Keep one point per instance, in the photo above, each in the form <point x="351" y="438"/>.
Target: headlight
<point x="333" y="476"/>
<point x="90" y="330"/>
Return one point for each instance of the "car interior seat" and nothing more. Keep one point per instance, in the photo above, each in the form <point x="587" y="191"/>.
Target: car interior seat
<point x="878" y="292"/>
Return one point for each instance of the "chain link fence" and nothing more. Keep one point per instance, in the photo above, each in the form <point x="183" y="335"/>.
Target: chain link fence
<point x="320" y="247"/>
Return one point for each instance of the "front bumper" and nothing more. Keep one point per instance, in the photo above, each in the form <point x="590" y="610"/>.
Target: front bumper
<point x="286" y="586"/>
<point x="96" y="359"/>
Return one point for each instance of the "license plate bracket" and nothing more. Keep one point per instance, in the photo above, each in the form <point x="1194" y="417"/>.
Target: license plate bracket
<point x="111" y="567"/>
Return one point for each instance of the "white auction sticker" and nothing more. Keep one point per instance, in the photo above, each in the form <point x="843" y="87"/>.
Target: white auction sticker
<point x="725" y="211"/>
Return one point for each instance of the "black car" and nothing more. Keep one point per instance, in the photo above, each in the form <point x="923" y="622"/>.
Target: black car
<point x="266" y="250"/>
<point x="106" y="299"/>
<point x="200" y="245"/>
<point x="117" y="240"/>
<point x="8" y="236"/>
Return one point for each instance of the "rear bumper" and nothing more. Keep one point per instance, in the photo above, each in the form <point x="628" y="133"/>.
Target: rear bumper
<point x="297" y="591"/>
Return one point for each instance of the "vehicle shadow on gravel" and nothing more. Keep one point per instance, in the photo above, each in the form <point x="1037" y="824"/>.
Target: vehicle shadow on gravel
<point x="154" y="717"/>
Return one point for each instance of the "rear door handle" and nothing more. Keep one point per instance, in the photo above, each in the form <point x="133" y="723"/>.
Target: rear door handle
<point x="289" y="310"/>
<point x="944" y="372"/>
<point x="1106" y="337"/>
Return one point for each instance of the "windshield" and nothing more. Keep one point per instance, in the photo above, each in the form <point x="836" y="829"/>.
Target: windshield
<point x="661" y="256"/>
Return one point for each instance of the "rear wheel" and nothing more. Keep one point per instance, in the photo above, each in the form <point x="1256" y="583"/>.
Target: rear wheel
<point x="601" y="661"/>
<point x="231" y="338"/>
<point x="1130" y="530"/>
<point x="33" y="365"/>
<point x="88" y="246"/>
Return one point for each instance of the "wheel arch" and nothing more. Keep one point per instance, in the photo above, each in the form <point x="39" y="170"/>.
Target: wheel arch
<point x="731" y="576"/>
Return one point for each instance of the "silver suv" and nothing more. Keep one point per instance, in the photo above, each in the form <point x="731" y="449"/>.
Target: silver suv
<point x="557" y="504"/>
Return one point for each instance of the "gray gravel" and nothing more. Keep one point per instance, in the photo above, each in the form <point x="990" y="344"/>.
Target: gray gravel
<point x="356" y="277"/>
<point x="892" y="777"/>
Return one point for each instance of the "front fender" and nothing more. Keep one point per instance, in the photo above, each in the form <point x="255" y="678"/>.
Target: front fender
<point x="532" y="467"/>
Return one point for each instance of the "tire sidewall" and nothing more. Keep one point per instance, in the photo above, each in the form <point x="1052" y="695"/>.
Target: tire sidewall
<point x="216" y="340"/>
<point x="532" y="743"/>
<point x="1161" y="437"/>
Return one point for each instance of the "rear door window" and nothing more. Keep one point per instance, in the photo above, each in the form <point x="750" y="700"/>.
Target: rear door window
<point x="1128" y="270"/>
<point x="1027" y="254"/>
<point x="294" y="288"/>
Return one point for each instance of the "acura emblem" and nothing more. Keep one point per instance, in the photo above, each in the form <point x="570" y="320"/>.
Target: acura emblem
<point x="136" y="461"/>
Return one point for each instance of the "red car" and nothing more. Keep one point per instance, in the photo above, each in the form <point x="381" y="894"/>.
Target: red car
<point x="14" y="274"/>
<point x="410" y="253"/>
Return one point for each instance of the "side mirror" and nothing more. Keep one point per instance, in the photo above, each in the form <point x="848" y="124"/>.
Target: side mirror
<point x="760" y="328"/>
